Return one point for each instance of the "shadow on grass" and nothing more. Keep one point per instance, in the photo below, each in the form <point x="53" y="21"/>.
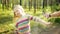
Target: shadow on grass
<point x="6" y="19"/>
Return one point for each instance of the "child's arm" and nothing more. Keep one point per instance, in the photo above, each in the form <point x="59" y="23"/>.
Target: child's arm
<point x="39" y="20"/>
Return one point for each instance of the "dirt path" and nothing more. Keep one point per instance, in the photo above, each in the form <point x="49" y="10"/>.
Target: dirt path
<point x="55" y="30"/>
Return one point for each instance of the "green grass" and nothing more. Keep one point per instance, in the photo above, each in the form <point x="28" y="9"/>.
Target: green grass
<point x="6" y="18"/>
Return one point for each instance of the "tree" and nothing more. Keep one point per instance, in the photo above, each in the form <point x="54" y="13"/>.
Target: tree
<point x="30" y="4"/>
<point x="7" y="4"/>
<point x="34" y="6"/>
<point x="3" y="3"/>
<point x="20" y="2"/>
<point x="57" y="1"/>
<point x="13" y="3"/>
<point x="0" y="1"/>
<point x="25" y="3"/>
<point x="37" y="4"/>
<point x="43" y="6"/>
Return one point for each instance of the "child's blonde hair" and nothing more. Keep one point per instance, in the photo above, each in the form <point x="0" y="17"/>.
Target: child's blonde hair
<point x="20" y="9"/>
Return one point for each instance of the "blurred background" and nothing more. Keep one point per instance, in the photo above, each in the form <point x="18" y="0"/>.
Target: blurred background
<point x="33" y="7"/>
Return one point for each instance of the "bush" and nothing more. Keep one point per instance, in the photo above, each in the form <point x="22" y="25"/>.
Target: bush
<point x="54" y="20"/>
<point x="56" y="8"/>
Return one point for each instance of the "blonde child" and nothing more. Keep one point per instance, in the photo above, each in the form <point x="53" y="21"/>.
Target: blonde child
<point x="22" y="20"/>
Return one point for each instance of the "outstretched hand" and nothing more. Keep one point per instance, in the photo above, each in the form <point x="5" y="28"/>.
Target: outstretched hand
<point x="47" y="15"/>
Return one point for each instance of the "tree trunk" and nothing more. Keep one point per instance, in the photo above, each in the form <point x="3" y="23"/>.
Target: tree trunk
<point x="3" y="4"/>
<point x="7" y="4"/>
<point x="34" y="6"/>
<point x="43" y="7"/>
<point x="20" y="2"/>
<point x="37" y="4"/>
<point x="25" y="4"/>
<point x="30" y="4"/>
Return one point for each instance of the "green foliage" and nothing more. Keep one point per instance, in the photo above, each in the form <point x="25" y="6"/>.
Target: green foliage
<point x="6" y="19"/>
<point x="56" y="8"/>
<point x="54" y="20"/>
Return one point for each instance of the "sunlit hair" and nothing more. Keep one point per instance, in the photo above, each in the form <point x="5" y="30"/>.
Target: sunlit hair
<point x="20" y="9"/>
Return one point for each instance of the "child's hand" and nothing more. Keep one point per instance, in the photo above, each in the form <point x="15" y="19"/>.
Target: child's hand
<point x="47" y="15"/>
